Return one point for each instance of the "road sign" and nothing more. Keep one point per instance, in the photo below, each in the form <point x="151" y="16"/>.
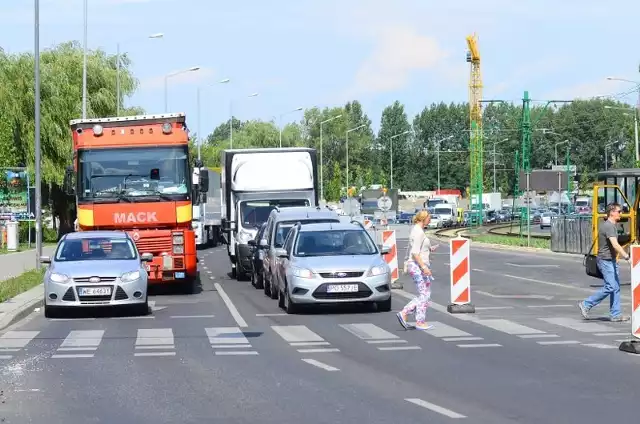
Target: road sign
<point x="384" y="203"/>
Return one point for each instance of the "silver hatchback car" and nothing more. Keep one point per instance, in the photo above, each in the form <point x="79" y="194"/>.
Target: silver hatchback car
<point x="95" y="269"/>
<point x="332" y="263"/>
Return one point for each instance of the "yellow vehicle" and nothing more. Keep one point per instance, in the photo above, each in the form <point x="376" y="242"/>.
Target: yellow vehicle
<point x="620" y="186"/>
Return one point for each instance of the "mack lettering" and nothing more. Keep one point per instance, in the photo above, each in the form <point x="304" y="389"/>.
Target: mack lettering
<point x="134" y="218"/>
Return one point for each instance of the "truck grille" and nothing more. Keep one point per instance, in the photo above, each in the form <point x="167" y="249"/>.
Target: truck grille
<point x="155" y="245"/>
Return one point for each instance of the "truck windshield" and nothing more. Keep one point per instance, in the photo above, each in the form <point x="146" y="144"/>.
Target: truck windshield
<point x="255" y="213"/>
<point x="129" y="173"/>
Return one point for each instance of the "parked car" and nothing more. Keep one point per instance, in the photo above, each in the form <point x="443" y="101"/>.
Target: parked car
<point x="257" y="257"/>
<point x="331" y="263"/>
<point x="92" y="269"/>
<point x="546" y="218"/>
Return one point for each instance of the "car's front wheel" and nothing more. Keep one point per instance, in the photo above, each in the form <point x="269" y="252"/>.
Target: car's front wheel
<point x="384" y="306"/>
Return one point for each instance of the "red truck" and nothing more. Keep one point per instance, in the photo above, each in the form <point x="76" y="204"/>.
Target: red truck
<point x="133" y="174"/>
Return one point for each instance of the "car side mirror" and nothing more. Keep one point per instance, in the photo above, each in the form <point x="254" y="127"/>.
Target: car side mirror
<point x="68" y="182"/>
<point x="45" y="260"/>
<point x="385" y="250"/>
<point x="263" y="243"/>
<point x="203" y="181"/>
<point x="146" y="257"/>
<point x="281" y="253"/>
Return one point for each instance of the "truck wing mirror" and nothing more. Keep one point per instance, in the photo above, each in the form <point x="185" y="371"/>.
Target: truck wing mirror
<point x="146" y="257"/>
<point x="263" y="243"/>
<point x="68" y="182"/>
<point x="203" y="182"/>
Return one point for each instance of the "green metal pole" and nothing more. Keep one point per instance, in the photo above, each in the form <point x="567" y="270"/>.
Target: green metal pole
<point x="526" y="152"/>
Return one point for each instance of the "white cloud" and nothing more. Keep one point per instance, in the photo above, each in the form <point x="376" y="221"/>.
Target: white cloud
<point x="590" y="89"/>
<point x="201" y="75"/>
<point x="399" y="51"/>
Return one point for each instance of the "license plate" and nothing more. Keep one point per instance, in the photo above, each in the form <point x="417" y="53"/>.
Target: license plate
<point x="179" y="274"/>
<point x="94" y="291"/>
<point x="342" y="288"/>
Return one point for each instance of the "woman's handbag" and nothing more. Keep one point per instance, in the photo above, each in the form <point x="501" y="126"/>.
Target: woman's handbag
<point x="590" y="263"/>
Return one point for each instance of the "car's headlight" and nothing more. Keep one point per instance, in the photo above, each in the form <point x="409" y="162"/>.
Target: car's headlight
<point x="378" y="270"/>
<point x="244" y="237"/>
<point x="130" y="276"/>
<point x="301" y="272"/>
<point x="58" y="278"/>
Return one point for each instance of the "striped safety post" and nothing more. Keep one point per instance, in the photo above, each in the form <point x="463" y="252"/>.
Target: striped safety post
<point x="460" y="274"/>
<point x="368" y="224"/>
<point x="632" y="345"/>
<point x="391" y="258"/>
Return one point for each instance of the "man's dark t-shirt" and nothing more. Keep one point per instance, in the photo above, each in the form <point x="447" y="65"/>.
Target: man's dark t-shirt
<point x="605" y="249"/>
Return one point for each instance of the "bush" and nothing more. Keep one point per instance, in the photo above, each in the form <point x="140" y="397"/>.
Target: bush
<point x="49" y="235"/>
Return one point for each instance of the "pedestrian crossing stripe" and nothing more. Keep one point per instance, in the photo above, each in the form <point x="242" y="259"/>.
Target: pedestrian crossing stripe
<point x="229" y="341"/>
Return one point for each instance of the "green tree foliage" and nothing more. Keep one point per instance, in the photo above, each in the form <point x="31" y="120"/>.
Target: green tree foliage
<point x="61" y="101"/>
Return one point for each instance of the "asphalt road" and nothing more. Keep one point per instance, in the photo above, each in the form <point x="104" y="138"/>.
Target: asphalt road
<point x="229" y="355"/>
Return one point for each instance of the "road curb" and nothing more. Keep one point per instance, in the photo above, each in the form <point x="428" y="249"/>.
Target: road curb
<point x="32" y="299"/>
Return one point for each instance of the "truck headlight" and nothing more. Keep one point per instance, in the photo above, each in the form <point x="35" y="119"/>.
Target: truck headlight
<point x="178" y="239"/>
<point x="178" y="249"/>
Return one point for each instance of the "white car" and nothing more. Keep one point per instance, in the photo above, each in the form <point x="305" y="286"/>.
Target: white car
<point x="545" y="219"/>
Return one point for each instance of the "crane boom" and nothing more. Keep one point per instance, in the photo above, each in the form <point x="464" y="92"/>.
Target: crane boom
<point x="475" y="136"/>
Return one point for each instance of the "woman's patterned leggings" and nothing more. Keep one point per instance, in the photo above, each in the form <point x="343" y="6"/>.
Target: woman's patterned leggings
<point x="419" y="303"/>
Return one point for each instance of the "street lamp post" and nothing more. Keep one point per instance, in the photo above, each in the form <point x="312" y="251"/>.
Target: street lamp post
<point x="555" y="149"/>
<point x="231" y="118"/>
<point x="198" y="112"/>
<point x="391" y="155"/>
<point x="283" y="114"/>
<point x="152" y="36"/>
<point x="438" y="158"/>
<point x="606" y="155"/>
<point x="635" y="115"/>
<point x="84" y="62"/>
<point x="38" y="183"/>
<point x="321" y="163"/>
<point x="166" y="84"/>
<point x="347" y="147"/>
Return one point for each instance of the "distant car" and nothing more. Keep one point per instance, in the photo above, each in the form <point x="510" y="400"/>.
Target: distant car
<point x="545" y="219"/>
<point x="332" y="263"/>
<point x="95" y="269"/>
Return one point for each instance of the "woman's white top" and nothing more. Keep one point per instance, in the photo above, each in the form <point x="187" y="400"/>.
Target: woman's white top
<point x="419" y="244"/>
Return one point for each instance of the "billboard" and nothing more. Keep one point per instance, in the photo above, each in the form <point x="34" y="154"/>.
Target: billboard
<point x="15" y="199"/>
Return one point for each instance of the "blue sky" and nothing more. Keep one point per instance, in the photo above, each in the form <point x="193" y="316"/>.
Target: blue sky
<point x="322" y="53"/>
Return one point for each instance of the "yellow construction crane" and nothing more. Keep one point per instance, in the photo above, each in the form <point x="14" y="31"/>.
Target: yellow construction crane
<point x="475" y="139"/>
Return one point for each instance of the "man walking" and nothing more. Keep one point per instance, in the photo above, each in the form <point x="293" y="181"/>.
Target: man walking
<point x="608" y="249"/>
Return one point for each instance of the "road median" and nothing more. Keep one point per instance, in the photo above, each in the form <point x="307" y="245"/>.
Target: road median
<point x="19" y="295"/>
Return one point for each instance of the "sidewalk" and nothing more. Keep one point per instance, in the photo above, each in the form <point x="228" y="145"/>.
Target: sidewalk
<point x="14" y="264"/>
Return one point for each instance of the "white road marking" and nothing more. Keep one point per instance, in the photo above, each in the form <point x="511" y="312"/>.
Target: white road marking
<point x="71" y="319"/>
<point x="443" y="330"/>
<point x="226" y="336"/>
<point x="73" y="349"/>
<point x="154" y="354"/>
<point x="559" y="342"/>
<point x="514" y="296"/>
<point x="272" y="315"/>
<point x="399" y="348"/>
<point x="232" y="346"/>
<point x="236" y="352"/>
<point x="480" y="345"/>
<point x="462" y="339"/>
<point x="599" y="346"/>
<point x="320" y="365"/>
<point x="16" y="339"/>
<point x="578" y="325"/>
<point x="82" y="340"/>
<point x="492" y="308"/>
<point x="191" y="316"/>
<point x="509" y="327"/>
<point x="72" y="356"/>
<point x="368" y="331"/>
<point x="533" y="265"/>
<point x="310" y="344"/>
<point x="386" y="341"/>
<point x="537" y="336"/>
<point x="435" y="408"/>
<point x="296" y="333"/>
<point x="155" y="337"/>
<point x="232" y="308"/>
<point x="612" y="334"/>
<point x="477" y="270"/>
<point x="550" y="306"/>
<point x="318" y="350"/>
<point x="548" y="283"/>
<point x="6" y="356"/>
<point x="140" y="317"/>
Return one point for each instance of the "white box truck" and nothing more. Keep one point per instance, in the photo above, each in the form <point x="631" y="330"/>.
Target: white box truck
<point x="255" y="181"/>
<point x="206" y="220"/>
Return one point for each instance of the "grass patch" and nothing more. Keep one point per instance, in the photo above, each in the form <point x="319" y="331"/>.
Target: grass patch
<point x="23" y="247"/>
<point x="20" y="284"/>
<point x="512" y="241"/>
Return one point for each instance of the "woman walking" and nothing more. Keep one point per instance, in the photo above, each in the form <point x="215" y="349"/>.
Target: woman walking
<point x="417" y="265"/>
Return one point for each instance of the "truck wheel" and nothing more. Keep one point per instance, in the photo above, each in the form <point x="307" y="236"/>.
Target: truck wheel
<point x="234" y="272"/>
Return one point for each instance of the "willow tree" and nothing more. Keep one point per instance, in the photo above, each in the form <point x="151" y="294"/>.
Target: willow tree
<point x="61" y="101"/>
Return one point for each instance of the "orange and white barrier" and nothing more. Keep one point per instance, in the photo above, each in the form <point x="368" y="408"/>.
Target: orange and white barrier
<point x="632" y="345"/>
<point x="368" y="224"/>
<point x="389" y="239"/>
<point x="460" y="273"/>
